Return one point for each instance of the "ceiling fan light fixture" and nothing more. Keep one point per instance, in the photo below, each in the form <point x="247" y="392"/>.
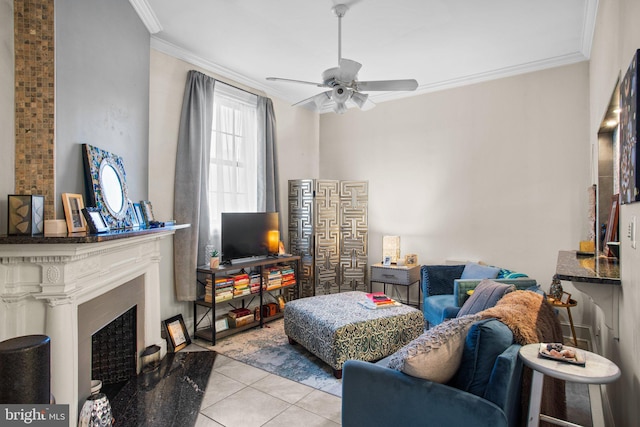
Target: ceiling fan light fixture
<point x="340" y="94"/>
<point x="359" y="98"/>
<point x="339" y="108"/>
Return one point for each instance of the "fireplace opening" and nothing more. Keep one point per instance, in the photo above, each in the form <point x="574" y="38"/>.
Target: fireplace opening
<point x="114" y="353"/>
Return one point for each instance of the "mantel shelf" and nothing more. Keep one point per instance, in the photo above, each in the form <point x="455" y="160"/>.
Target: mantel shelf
<point x="598" y="277"/>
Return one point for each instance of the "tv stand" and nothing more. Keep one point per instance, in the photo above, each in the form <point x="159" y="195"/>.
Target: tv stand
<point x="266" y="294"/>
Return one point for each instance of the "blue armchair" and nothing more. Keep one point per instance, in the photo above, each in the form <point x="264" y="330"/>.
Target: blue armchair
<point x="375" y="395"/>
<point x="445" y="287"/>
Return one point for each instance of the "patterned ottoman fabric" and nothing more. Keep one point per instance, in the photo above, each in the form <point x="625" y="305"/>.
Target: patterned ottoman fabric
<point x="336" y="328"/>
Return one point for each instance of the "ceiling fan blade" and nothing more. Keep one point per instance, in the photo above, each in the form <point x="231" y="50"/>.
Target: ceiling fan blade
<point x="409" y="84"/>
<point x="348" y="70"/>
<point x="278" y="79"/>
<point x="317" y="100"/>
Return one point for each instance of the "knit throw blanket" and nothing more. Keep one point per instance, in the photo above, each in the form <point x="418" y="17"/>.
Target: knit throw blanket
<point x="532" y="320"/>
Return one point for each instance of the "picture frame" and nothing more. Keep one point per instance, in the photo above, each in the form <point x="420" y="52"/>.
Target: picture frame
<point x="138" y="211"/>
<point x="565" y="298"/>
<point x="95" y="220"/>
<point x="73" y="204"/>
<point x="386" y="260"/>
<point x="147" y="211"/>
<point x="410" y="260"/>
<point x="135" y="222"/>
<point x="177" y="333"/>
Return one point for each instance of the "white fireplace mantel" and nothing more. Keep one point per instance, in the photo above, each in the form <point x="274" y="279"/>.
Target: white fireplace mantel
<point x="42" y="283"/>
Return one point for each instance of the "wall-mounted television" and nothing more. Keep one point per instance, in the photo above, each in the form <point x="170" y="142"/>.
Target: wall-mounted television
<point x="248" y="235"/>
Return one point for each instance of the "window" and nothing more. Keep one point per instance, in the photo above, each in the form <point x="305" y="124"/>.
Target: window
<point x="233" y="177"/>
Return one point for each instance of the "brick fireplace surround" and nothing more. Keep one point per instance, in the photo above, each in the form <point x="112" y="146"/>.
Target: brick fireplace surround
<point x="70" y="287"/>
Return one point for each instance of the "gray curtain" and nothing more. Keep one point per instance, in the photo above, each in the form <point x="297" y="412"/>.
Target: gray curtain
<point x="191" y="193"/>
<point x="268" y="198"/>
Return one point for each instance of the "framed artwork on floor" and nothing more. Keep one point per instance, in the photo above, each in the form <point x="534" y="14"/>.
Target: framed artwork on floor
<point x="177" y="333"/>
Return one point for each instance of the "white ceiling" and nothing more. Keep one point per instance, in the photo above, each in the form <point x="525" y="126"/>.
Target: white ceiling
<point x="440" y="43"/>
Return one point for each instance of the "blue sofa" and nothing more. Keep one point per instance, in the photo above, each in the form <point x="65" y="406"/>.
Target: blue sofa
<point x="485" y="391"/>
<point x="445" y="287"/>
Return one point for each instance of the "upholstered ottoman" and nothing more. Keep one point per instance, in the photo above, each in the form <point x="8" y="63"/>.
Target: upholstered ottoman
<point x="336" y="328"/>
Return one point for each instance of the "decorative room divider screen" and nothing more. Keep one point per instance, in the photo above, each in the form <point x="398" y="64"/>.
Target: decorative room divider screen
<point x="328" y="229"/>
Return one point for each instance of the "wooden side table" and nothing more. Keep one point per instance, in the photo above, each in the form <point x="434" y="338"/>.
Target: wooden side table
<point x="572" y="303"/>
<point x="397" y="275"/>
<point x="597" y="370"/>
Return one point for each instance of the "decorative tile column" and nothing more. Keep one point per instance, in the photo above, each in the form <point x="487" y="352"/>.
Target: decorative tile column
<point x="35" y="100"/>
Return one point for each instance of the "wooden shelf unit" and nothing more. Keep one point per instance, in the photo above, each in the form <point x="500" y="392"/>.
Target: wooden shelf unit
<point x="209" y="332"/>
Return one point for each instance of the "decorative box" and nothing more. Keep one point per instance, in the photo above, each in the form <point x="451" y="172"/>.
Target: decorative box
<point x="236" y="322"/>
<point x="26" y="215"/>
<point x="269" y="309"/>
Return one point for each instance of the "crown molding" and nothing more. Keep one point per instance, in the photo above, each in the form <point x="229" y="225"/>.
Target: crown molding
<point x="187" y="56"/>
<point x="147" y="15"/>
<point x="590" y="15"/>
<point x="499" y="73"/>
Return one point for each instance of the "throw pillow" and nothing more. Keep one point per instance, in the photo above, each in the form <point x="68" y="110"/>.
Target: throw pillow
<point x="438" y="279"/>
<point x="436" y="354"/>
<point x="477" y="271"/>
<point x="486" y="295"/>
<point x="486" y="340"/>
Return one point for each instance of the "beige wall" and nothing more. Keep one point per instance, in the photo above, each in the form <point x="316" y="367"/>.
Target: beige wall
<point x="297" y="131"/>
<point x="496" y="171"/>
<point x="616" y="39"/>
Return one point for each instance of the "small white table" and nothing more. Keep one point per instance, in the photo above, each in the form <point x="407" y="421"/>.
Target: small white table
<point x="597" y="370"/>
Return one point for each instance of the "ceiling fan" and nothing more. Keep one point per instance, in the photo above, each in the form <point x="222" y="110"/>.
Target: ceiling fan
<point x="343" y="80"/>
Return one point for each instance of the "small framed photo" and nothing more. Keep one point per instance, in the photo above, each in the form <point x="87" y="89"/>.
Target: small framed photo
<point x="135" y="222"/>
<point x="222" y="324"/>
<point x="95" y="220"/>
<point x="565" y="298"/>
<point x="177" y="334"/>
<point x="147" y="211"/>
<point x="411" y="259"/>
<point x="137" y="209"/>
<point x="73" y="205"/>
<point x="386" y="261"/>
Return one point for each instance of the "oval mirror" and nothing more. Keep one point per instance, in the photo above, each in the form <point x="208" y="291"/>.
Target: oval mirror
<point x="112" y="189"/>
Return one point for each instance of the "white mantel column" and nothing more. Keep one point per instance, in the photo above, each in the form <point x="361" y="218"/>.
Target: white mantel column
<point x="62" y="328"/>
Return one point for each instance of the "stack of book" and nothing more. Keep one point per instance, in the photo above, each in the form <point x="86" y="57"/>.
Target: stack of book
<point x="377" y="300"/>
<point x="208" y="291"/>
<point x="224" y="289"/>
<point x="240" y="284"/>
<point x="254" y="283"/>
<point x="288" y="276"/>
<point x="272" y="278"/>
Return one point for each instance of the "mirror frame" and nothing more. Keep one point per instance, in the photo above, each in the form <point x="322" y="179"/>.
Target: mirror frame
<point x="95" y="159"/>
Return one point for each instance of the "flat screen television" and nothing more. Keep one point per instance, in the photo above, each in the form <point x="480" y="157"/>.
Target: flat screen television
<point x="248" y="235"/>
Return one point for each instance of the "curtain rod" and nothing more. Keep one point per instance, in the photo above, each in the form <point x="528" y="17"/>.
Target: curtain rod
<point x="229" y="84"/>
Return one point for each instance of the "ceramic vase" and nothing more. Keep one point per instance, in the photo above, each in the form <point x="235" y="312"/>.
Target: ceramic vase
<point x="555" y="290"/>
<point x="214" y="262"/>
<point x="96" y="411"/>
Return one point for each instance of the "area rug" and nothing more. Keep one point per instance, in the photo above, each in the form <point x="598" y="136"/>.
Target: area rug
<point x="268" y="348"/>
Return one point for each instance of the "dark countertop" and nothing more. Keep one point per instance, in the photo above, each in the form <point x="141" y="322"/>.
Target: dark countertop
<point x="578" y="268"/>
<point x="86" y="237"/>
<point x="169" y="396"/>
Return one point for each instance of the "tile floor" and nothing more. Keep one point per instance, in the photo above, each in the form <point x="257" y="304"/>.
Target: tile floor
<point x="241" y="395"/>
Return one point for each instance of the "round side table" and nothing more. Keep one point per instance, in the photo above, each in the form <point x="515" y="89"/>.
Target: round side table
<point x="572" y="303"/>
<point x="597" y="370"/>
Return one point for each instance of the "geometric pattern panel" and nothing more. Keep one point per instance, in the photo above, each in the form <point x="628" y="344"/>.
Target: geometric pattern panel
<point x="301" y="231"/>
<point x="353" y="235"/>
<point x="327" y="236"/>
<point x="328" y="229"/>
